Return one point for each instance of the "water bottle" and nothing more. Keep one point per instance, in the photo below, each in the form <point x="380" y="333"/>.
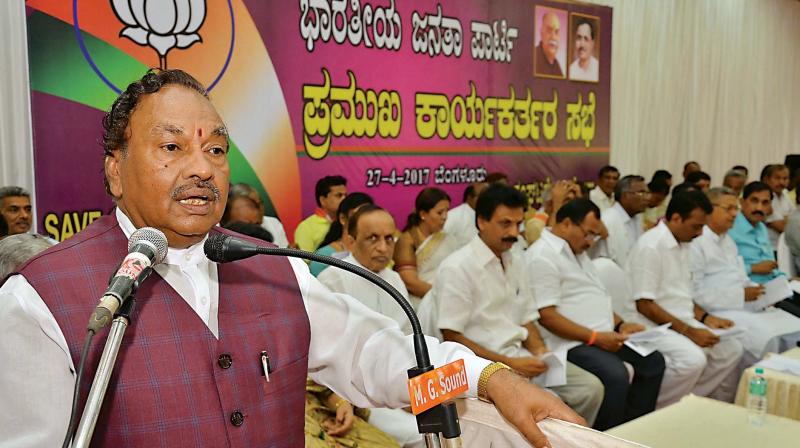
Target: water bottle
<point x="757" y="398"/>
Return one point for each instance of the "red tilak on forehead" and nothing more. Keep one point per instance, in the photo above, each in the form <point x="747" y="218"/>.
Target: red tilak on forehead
<point x="200" y="132"/>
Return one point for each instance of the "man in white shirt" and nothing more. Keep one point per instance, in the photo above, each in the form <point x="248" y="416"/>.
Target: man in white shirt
<point x="585" y="67"/>
<point x="603" y="194"/>
<point x="577" y="315"/>
<point x="485" y="304"/>
<point x="166" y="167"/>
<point x="721" y="285"/>
<point x="460" y="222"/>
<point x="777" y="177"/>
<point x="370" y="235"/>
<point x="623" y="220"/>
<point x="698" y="360"/>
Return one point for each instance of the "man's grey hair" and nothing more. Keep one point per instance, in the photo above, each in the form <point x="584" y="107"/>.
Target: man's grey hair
<point x="17" y="249"/>
<point x="624" y="185"/>
<point x="735" y="174"/>
<point x="715" y="193"/>
<point x="241" y="189"/>
<point x="8" y="192"/>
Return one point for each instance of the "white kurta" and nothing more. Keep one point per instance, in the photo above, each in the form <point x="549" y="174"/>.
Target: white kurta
<point x="782" y="207"/>
<point x="361" y="355"/>
<point x="719" y="280"/>
<point x="557" y="277"/>
<point x="460" y="224"/>
<point x="623" y="231"/>
<point x="371" y="295"/>
<point x="275" y="228"/>
<point x="658" y="269"/>
<point x="600" y="199"/>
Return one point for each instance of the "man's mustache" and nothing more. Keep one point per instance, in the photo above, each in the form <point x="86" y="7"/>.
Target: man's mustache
<point x="509" y="239"/>
<point x="201" y="184"/>
<point x="758" y="213"/>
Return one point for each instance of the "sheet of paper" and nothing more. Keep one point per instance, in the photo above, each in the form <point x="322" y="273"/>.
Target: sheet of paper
<point x="775" y="290"/>
<point x="642" y="348"/>
<point x="781" y="363"/>
<point x="729" y="332"/>
<point x="649" y="335"/>
<point x="556" y="374"/>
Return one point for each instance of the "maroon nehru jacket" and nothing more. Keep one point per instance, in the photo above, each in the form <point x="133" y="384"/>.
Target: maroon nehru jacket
<point x="174" y="383"/>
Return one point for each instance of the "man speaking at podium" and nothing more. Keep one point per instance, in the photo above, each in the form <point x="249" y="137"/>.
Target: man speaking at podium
<point x="190" y="371"/>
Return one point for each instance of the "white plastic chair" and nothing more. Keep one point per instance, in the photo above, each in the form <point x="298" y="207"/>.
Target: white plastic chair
<point x="785" y="259"/>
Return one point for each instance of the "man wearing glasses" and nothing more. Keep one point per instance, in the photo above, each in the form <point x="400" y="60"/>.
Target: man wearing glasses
<point x="624" y="219"/>
<point x="721" y="284"/>
<point x="575" y="310"/>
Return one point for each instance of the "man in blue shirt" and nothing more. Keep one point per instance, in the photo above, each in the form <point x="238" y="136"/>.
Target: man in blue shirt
<point x="751" y="236"/>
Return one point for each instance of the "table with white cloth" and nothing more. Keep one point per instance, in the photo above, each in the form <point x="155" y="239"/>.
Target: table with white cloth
<point x="702" y="422"/>
<point x="482" y="426"/>
<point x="783" y="389"/>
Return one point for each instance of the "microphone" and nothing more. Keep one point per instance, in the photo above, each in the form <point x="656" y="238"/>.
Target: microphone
<point x="147" y="247"/>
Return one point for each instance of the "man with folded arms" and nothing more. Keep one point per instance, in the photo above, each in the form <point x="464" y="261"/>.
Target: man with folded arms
<point x="721" y="285"/>
<point x="576" y="312"/>
<point x="485" y="304"/>
<point x="698" y="360"/>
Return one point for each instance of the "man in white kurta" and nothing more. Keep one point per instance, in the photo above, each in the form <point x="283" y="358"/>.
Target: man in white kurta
<point x="721" y="284"/>
<point x="371" y="237"/>
<point x="460" y="223"/>
<point x="623" y="220"/>
<point x="484" y="301"/>
<point x="603" y="194"/>
<point x="698" y="360"/>
<point x="777" y="177"/>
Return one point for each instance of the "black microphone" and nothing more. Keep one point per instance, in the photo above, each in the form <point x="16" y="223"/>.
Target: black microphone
<point x="147" y="247"/>
<point x="442" y="418"/>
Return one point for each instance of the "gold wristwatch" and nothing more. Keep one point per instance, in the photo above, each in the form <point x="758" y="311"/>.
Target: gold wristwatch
<point x="486" y="373"/>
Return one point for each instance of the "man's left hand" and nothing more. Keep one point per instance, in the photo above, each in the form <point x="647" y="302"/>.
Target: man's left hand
<point x="718" y="322"/>
<point x="524" y="404"/>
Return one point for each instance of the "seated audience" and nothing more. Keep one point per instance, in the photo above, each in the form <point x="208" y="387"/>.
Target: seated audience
<point x="328" y="192"/>
<point x="460" y="222"/>
<point x="792" y="232"/>
<point x="603" y="194"/>
<point x="698" y="360"/>
<point x="240" y="208"/>
<point x="743" y="169"/>
<point x="553" y="198"/>
<point x="15" y="207"/>
<point x="370" y="235"/>
<point x="656" y="203"/>
<point x="3" y="227"/>
<point x="17" y="249"/>
<point x="246" y="228"/>
<point x="577" y="314"/>
<point x="333" y="245"/>
<point x="422" y="246"/>
<point x="269" y="223"/>
<point x="735" y="180"/>
<point x="484" y="302"/>
<point x="750" y="233"/>
<point x="721" y="285"/>
<point x="777" y="178"/>
<point x="624" y="220"/>
<point x="700" y="179"/>
<point x="689" y="168"/>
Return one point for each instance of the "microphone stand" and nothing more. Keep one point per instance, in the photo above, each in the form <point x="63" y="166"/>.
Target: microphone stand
<point x="440" y="419"/>
<point x="91" y="411"/>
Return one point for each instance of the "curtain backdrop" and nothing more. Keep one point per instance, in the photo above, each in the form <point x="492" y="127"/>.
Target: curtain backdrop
<point x="16" y="157"/>
<point x="717" y="81"/>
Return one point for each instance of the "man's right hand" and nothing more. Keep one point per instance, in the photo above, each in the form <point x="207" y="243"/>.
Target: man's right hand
<point x="764" y="267"/>
<point x="529" y="366"/>
<point x="753" y="292"/>
<point x="610" y="341"/>
<point x="702" y="336"/>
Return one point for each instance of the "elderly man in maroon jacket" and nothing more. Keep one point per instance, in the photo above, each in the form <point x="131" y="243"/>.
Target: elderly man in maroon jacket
<point x="189" y="372"/>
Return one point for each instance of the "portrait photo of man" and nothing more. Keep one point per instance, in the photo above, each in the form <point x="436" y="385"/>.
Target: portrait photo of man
<point x="584" y="48"/>
<point x="550" y="51"/>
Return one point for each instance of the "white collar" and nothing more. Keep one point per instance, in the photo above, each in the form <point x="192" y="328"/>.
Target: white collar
<point x="190" y="256"/>
<point x="622" y="213"/>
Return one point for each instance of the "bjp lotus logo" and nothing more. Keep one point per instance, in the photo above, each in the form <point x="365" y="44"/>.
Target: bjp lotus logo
<point x="162" y="25"/>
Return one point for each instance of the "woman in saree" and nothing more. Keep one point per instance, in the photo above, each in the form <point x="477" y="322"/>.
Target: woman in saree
<point x="423" y="245"/>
